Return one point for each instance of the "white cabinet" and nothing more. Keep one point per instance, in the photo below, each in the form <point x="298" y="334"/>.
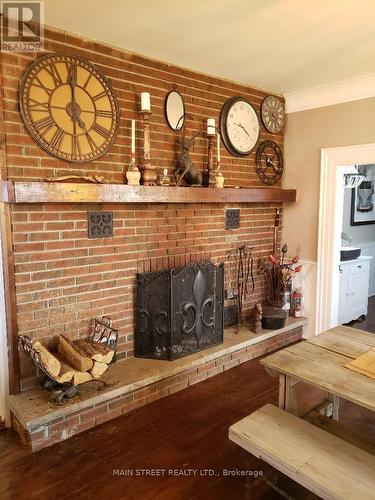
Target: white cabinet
<point x="368" y="249"/>
<point x="354" y="287"/>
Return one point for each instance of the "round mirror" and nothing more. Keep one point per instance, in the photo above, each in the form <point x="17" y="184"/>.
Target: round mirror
<point x="175" y="110"/>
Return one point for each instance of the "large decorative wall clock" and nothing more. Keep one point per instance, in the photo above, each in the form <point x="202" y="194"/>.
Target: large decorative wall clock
<point x="239" y="126"/>
<point x="273" y="114"/>
<point x="269" y="161"/>
<point x="69" y="107"/>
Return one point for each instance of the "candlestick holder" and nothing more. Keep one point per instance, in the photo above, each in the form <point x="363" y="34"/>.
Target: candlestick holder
<point x="210" y="174"/>
<point x="149" y="176"/>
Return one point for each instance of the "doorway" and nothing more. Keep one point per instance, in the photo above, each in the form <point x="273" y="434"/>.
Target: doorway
<point x="357" y="277"/>
<point x="331" y="204"/>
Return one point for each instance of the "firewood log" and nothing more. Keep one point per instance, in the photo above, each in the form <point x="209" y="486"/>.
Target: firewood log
<point x="73" y="355"/>
<point x="98" y="352"/>
<point x="51" y="363"/>
<point x="81" y="377"/>
<point x="66" y="373"/>
<point x="98" y="369"/>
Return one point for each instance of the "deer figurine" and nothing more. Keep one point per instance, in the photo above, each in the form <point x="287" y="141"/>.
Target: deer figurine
<point x="186" y="168"/>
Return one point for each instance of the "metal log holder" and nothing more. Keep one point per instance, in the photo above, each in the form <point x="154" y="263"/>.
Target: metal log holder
<point x="244" y="264"/>
<point x="101" y="332"/>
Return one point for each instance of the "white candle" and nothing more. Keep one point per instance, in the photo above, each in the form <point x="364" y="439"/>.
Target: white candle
<point x="145" y="101"/>
<point x="218" y="148"/>
<point x="211" y="128"/>
<point x="133" y="138"/>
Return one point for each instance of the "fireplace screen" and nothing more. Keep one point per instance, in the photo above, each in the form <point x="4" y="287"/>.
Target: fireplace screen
<point x="179" y="311"/>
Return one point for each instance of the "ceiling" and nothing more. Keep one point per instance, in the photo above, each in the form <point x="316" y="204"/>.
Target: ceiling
<point x="279" y="45"/>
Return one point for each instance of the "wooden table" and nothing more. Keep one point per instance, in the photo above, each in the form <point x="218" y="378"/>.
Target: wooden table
<point x="319" y="362"/>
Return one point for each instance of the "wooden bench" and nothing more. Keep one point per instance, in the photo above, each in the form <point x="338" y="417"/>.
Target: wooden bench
<point x="325" y="464"/>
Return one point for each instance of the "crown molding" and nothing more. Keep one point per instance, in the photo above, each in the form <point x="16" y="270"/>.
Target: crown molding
<point x="354" y="89"/>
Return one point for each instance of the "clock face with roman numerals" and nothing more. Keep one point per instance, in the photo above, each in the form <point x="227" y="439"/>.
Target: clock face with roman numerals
<point x="273" y="114"/>
<point x="69" y="108"/>
<point x="270" y="164"/>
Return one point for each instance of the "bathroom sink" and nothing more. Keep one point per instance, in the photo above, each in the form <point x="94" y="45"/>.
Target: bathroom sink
<point x="350" y="253"/>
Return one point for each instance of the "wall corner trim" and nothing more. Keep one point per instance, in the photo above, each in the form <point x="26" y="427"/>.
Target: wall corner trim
<point x="353" y="89"/>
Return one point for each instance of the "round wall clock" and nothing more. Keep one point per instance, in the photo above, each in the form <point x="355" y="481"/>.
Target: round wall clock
<point x="68" y="107"/>
<point x="269" y="161"/>
<point x="239" y="126"/>
<point x="273" y="114"/>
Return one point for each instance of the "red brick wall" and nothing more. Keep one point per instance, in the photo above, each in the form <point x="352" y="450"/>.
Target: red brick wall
<point x="129" y="74"/>
<point x="62" y="278"/>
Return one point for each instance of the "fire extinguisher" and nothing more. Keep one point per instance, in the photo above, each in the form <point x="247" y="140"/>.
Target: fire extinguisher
<point x="296" y="306"/>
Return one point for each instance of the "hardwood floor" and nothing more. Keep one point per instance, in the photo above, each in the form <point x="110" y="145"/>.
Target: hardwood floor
<point x="188" y="430"/>
<point x="369" y="323"/>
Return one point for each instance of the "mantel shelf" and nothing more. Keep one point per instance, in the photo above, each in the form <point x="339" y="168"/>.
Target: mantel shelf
<point x="56" y="192"/>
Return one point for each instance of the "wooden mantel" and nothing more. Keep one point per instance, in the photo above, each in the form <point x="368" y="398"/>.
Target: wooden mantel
<point x="53" y="192"/>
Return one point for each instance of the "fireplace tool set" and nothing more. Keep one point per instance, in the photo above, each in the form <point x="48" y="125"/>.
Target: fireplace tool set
<point x="239" y="286"/>
<point x="275" y="228"/>
<point x="102" y="333"/>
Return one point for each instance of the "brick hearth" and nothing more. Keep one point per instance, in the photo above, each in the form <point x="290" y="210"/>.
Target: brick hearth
<point x="137" y="382"/>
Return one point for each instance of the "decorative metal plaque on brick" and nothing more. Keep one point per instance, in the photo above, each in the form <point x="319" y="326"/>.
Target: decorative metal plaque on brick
<point x="232" y="218"/>
<point x="100" y="224"/>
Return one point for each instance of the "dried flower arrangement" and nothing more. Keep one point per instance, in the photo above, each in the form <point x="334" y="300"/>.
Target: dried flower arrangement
<point x="278" y="272"/>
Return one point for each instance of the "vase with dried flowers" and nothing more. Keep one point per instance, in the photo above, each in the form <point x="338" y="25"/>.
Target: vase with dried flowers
<point x="278" y="272"/>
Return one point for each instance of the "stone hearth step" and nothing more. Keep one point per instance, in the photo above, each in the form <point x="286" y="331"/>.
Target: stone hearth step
<point x="135" y="382"/>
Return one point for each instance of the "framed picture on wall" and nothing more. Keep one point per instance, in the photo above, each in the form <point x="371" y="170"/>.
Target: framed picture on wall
<point x="363" y="209"/>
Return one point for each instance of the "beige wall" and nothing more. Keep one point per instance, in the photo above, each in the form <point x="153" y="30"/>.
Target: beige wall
<point x="307" y="132"/>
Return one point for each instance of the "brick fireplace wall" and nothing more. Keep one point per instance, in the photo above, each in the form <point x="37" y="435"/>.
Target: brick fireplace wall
<point x="63" y="278"/>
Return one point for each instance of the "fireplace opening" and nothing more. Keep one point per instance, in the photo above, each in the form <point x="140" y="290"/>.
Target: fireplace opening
<point x="179" y="311"/>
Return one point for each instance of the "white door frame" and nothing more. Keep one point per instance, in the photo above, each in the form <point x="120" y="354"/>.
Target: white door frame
<point x="330" y="224"/>
<point x="4" y="373"/>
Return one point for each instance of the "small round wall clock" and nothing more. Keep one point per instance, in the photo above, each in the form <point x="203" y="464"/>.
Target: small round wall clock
<point x="239" y="126"/>
<point x="69" y="108"/>
<point x="273" y="114"/>
<point x="269" y="161"/>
